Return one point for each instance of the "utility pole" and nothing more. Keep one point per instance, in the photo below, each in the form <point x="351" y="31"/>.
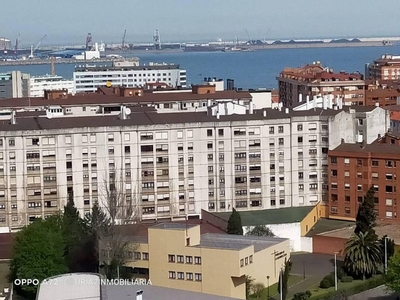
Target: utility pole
<point x="281" y="285"/>
<point x="336" y="273"/>
<point x="386" y="256"/>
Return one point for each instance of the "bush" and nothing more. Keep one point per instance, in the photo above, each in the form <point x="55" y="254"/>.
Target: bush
<point x="340" y="273"/>
<point x="346" y="279"/>
<point x="325" y="284"/>
<point x="331" y="279"/>
<point x="302" y="296"/>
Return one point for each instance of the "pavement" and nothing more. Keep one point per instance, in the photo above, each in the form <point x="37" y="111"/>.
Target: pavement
<point x="378" y="293"/>
<point x="312" y="267"/>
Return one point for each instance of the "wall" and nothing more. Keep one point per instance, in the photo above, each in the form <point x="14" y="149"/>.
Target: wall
<point x="306" y="244"/>
<point x="309" y="221"/>
<point x="328" y="245"/>
<point x="262" y="99"/>
<point x="214" y="220"/>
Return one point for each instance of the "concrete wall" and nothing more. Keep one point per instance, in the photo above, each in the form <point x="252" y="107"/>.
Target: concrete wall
<point x="262" y="99"/>
<point x="306" y="244"/>
<point x="309" y="221"/>
<point x="328" y="245"/>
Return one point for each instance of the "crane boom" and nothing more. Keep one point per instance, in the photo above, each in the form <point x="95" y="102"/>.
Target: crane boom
<point x="40" y="41"/>
<point x="123" y="40"/>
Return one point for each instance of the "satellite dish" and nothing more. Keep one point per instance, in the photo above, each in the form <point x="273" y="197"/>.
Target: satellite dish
<point x="108" y="84"/>
<point x="128" y="111"/>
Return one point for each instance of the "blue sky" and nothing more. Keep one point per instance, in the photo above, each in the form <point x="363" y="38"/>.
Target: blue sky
<point x="193" y="20"/>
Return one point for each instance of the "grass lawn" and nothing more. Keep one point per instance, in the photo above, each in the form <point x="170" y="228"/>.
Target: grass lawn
<point x="342" y="286"/>
<point x="273" y="289"/>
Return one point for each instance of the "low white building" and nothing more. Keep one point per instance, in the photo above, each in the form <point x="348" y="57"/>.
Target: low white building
<point x="38" y="84"/>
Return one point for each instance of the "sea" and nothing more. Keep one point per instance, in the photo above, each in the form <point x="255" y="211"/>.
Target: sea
<point x="249" y="70"/>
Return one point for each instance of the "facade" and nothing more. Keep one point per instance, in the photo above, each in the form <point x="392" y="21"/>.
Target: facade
<point x="5" y="44"/>
<point x="353" y="169"/>
<point x="385" y="68"/>
<point x="382" y="92"/>
<point x="14" y="85"/>
<point x="38" y="84"/>
<point x="312" y="80"/>
<point x="178" y="256"/>
<point x="173" y="165"/>
<point x="87" y="79"/>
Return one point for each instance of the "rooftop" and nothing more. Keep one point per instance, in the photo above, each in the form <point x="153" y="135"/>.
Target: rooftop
<point x="6" y="244"/>
<point x="171" y="225"/>
<point x="325" y="225"/>
<point x="127" y="68"/>
<point x="395" y="116"/>
<point x="374" y="148"/>
<point x="237" y="242"/>
<point x="391" y="230"/>
<point x="270" y="216"/>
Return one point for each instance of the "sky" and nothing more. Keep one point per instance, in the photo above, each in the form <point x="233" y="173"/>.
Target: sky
<point x="69" y="22"/>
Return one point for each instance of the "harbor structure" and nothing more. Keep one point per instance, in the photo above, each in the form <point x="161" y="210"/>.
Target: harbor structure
<point x="296" y="84"/>
<point x="172" y="165"/>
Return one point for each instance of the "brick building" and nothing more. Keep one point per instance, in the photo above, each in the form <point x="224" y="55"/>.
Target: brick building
<point x="354" y="168"/>
<point x="387" y="68"/>
<point x="313" y="80"/>
<point x="384" y="92"/>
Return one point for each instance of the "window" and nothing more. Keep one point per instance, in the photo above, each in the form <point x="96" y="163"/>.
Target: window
<point x="346" y="161"/>
<point x="299" y="139"/>
<point x="209" y="132"/>
<point x="334" y="160"/>
<point x="171" y="275"/>
<point x="209" y="145"/>
<point x="127" y="149"/>
<point x="300" y="127"/>
<point x="251" y="259"/>
<point x="220" y="132"/>
<point x="389" y="202"/>
<point x="301" y="175"/>
<point x="280" y="129"/>
<point x="271" y="130"/>
<point x="189" y="276"/>
<point x="180" y="259"/>
<point x="375" y="163"/>
<point x="312" y="126"/>
<point x="197" y="276"/>
<point x="390" y="164"/>
<point x="145" y="256"/>
<point x="313" y="186"/>
<point x="137" y="255"/>
<point x="189" y="259"/>
<point x="171" y="258"/>
<point x="280" y="141"/>
<point x="181" y="275"/>
<point x="197" y="260"/>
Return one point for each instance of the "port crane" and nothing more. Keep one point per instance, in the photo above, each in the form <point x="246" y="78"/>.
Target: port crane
<point x="123" y="41"/>
<point x="88" y="41"/>
<point x="36" y="47"/>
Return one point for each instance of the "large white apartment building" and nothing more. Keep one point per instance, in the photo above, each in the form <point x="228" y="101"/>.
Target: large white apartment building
<point x="89" y="78"/>
<point x="38" y="84"/>
<point x="171" y="165"/>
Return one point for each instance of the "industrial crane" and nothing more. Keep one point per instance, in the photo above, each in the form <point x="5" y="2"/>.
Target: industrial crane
<point x="36" y="47"/>
<point x="88" y="41"/>
<point x="123" y="41"/>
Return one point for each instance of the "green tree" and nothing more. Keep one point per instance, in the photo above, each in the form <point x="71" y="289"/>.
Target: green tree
<point x="389" y="247"/>
<point x="392" y="278"/>
<point x="259" y="230"/>
<point x="235" y="223"/>
<point x="249" y="285"/>
<point x="362" y="255"/>
<point x="366" y="215"/>
<point x="285" y="278"/>
<point x="38" y="253"/>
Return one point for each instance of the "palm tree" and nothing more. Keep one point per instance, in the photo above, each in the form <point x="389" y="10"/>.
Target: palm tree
<point x="362" y="254"/>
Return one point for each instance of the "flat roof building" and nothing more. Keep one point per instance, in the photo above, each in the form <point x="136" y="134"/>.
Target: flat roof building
<point x="387" y="67"/>
<point x="14" y="85"/>
<point x="178" y="256"/>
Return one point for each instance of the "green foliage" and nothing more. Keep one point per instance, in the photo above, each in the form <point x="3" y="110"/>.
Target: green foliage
<point x="340" y="273"/>
<point x="366" y="215"/>
<point x="38" y="253"/>
<point x="325" y="283"/>
<point x="362" y="255"/>
<point x="302" y="296"/>
<point x="346" y="279"/>
<point x="389" y="247"/>
<point x="257" y="289"/>
<point x="235" y="223"/>
<point x="331" y="279"/>
<point x="285" y="278"/>
<point x="392" y="278"/>
<point x="260" y="230"/>
<point x="249" y="283"/>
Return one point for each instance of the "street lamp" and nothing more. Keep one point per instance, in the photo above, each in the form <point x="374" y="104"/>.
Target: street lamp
<point x="268" y="286"/>
<point x="336" y="282"/>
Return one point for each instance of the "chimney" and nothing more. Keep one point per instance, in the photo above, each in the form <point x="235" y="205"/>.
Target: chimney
<point x="122" y="115"/>
<point x="377" y="104"/>
<point x="280" y="108"/>
<point x="300" y="98"/>
<point x="379" y="135"/>
<point x="13" y="119"/>
<point x="139" y="295"/>
<point x="363" y="144"/>
<point x="342" y="141"/>
<point x="264" y="113"/>
<point x="208" y="103"/>
<point x="251" y="108"/>
<point x="218" y="115"/>
<point x="325" y="100"/>
<point x="308" y="102"/>
<point x="286" y="110"/>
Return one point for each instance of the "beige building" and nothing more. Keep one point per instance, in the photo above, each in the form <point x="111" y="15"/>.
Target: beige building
<point x="177" y="256"/>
